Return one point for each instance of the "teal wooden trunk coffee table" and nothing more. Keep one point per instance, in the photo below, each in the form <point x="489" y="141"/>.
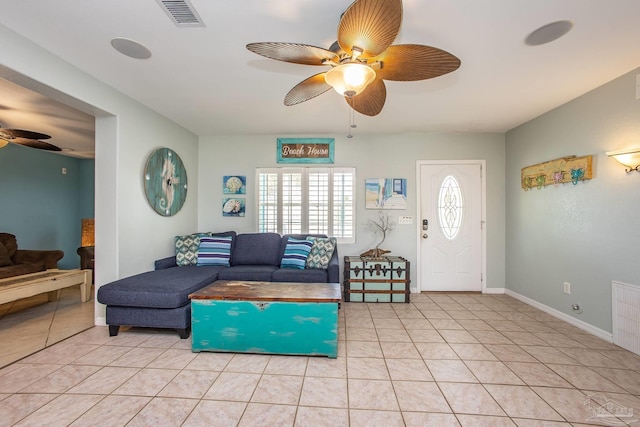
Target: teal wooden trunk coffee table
<point x="266" y="317"/>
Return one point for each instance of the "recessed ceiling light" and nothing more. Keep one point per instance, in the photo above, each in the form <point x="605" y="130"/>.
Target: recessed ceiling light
<point x="548" y="33"/>
<point x="130" y="48"/>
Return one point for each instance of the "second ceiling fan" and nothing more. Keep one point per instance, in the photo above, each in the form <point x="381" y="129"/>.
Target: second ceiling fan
<point x="27" y="138"/>
<point x="362" y="58"/>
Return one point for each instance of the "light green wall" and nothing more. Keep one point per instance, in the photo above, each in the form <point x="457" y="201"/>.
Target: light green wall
<point x="585" y="234"/>
<point x="40" y="205"/>
<point x="373" y="156"/>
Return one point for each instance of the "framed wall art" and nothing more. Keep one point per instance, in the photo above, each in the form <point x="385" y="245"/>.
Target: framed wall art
<point x="386" y="193"/>
<point x="234" y="184"/>
<point x="233" y="206"/>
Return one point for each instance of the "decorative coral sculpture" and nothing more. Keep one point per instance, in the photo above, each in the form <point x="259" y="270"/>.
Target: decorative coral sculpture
<point x="383" y="225"/>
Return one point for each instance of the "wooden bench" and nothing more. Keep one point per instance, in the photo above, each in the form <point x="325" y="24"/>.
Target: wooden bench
<point x="50" y="281"/>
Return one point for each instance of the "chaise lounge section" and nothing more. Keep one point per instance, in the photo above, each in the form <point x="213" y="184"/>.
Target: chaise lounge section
<point x="160" y="298"/>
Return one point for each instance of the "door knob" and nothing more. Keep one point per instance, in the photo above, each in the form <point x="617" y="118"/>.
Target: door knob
<point x="424" y="236"/>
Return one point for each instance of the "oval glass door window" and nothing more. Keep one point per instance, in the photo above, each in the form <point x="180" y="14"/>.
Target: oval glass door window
<point x="450" y="207"/>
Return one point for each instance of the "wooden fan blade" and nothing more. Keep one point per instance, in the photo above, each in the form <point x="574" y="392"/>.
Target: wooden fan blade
<point x="371" y="25"/>
<point x="307" y="89"/>
<point x="293" y="52"/>
<point x="19" y="133"/>
<point x="371" y="101"/>
<point x="410" y="62"/>
<point x="34" y="143"/>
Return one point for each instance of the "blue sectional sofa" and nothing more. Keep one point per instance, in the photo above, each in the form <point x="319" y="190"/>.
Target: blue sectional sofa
<point x="160" y="298"/>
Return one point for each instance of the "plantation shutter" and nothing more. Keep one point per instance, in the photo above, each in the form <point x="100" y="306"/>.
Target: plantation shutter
<point x="307" y="200"/>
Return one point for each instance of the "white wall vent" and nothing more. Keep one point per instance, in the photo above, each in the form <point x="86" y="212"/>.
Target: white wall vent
<point x="181" y="12"/>
<point x="626" y="316"/>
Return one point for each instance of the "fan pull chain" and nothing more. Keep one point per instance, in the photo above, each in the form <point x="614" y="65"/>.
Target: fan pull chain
<point x="352" y="120"/>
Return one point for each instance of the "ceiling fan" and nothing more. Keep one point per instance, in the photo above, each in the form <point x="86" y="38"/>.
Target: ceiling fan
<point x="26" y="138"/>
<point x="362" y="58"/>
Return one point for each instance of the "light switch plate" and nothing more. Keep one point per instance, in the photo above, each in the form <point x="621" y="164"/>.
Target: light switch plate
<point x="403" y="219"/>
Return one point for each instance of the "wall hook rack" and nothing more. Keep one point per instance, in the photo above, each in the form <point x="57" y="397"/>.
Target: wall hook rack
<point x="565" y="169"/>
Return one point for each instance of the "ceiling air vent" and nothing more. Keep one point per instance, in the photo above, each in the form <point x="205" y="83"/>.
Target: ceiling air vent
<point x="181" y="12"/>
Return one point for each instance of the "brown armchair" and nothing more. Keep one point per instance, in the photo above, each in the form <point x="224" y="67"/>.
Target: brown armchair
<point x="87" y="258"/>
<point x="15" y="262"/>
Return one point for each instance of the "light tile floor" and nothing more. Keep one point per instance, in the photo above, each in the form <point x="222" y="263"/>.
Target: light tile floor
<point x="443" y="360"/>
<point x="31" y="324"/>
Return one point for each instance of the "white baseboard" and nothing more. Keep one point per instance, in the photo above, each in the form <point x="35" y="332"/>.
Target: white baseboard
<point x="100" y="321"/>
<point x="493" y="291"/>
<point x="600" y="333"/>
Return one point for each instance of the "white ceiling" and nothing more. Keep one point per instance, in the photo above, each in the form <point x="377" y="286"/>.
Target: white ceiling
<point x="70" y="129"/>
<point x="207" y="81"/>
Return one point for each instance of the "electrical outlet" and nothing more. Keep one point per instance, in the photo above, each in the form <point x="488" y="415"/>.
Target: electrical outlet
<point x="405" y="219"/>
<point x="64" y="171"/>
<point x="567" y="287"/>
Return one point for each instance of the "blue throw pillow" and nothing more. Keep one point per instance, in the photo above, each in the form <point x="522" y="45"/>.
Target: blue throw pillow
<point x="296" y="253"/>
<point x="215" y="250"/>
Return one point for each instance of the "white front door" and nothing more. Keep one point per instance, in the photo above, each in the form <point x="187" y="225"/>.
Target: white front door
<point x="450" y="226"/>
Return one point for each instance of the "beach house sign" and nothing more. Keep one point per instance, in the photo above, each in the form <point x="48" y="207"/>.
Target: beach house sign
<point x="305" y="150"/>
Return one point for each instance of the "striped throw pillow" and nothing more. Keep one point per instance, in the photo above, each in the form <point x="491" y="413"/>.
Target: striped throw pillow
<point x="296" y="253"/>
<point x="215" y="250"/>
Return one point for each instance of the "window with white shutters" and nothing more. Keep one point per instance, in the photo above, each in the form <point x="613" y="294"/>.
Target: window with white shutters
<point x="318" y="202"/>
<point x="307" y="200"/>
<point x="291" y="203"/>
<point x="344" y="209"/>
<point x="268" y="206"/>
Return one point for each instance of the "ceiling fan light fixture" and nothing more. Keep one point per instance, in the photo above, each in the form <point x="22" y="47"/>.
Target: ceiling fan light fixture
<point x="350" y="79"/>
<point x="362" y="58"/>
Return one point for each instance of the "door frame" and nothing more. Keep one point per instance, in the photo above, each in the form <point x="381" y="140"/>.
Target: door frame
<point x="483" y="216"/>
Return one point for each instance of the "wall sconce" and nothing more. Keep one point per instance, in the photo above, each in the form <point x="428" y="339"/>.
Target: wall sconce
<point x="629" y="158"/>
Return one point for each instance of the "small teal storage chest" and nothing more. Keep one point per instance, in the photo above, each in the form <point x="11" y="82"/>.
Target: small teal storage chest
<point x="384" y="279"/>
<point x="266" y="317"/>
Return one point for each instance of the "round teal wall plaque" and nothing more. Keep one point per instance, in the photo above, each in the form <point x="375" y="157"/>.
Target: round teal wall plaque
<point x="165" y="182"/>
